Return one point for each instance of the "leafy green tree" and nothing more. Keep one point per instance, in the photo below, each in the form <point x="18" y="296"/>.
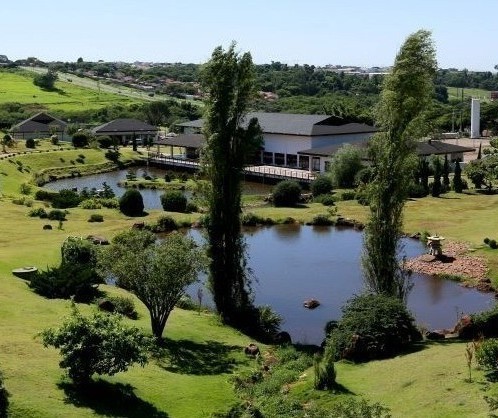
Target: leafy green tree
<point x="286" y="193"/>
<point x="228" y="81"/>
<point x="345" y="165"/>
<point x="7" y="141"/>
<point x="46" y="81"/>
<point x="157" y="274"/>
<point x="457" y="178"/>
<point x="98" y="344"/>
<point x="406" y="93"/>
<point x="157" y="112"/>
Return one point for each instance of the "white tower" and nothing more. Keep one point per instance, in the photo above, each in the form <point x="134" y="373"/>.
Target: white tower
<point x="475" y="119"/>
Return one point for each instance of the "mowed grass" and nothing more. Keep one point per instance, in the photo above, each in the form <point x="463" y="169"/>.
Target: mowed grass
<point x="193" y="380"/>
<point x="456" y="93"/>
<point x="18" y="87"/>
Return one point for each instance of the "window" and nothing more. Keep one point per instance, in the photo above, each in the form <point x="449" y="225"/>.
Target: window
<point x="279" y="159"/>
<point x="268" y="157"/>
<point x="304" y="162"/>
<point x="292" y="160"/>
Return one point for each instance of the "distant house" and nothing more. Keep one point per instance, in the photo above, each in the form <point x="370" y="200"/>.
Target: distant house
<point x="41" y="125"/>
<point x="124" y="130"/>
<point x="289" y="139"/>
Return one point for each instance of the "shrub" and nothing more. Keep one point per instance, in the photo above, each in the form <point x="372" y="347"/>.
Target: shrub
<point x="268" y="321"/>
<point x="80" y="139"/>
<point x="325" y="200"/>
<point x="98" y="344"/>
<point x="38" y="213"/>
<point x="131" y="203"/>
<point x="4" y="399"/>
<point x="104" y="141"/>
<point x="486" y="241"/>
<point x="186" y="303"/>
<point x="487" y="354"/>
<point x="66" y="199"/>
<point x="112" y="156"/>
<point x="54" y="140"/>
<point x="321" y="185"/>
<point x="57" y="215"/>
<point x="110" y="203"/>
<point x="345" y="165"/>
<point x="91" y="204"/>
<point x="493" y="244"/>
<point x="322" y="220"/>
<point x="251" y="219"/>
<point x="66" y="281"/>
<point x="373" y="327"/>
<point x="79" y="251"/>
<point x="165" y="224"/>
<point x="45" y="195"/>
<point x="416" y="190"/>
<point x="30" y="143"/>
<point x="286" y="193"/>
<point x="25" y="188"/>
<point x="124" y="306"/>
<point x="191" y="207"/>
<point x="96" y="217"/>
<point x="348" y="195"/>
<point x="325" y="374"/>
<point x="174" y="201"/>
<point x="24" y="200"/>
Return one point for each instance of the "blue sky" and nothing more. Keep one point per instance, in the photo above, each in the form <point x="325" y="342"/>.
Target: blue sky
<point x="319" y="32"/>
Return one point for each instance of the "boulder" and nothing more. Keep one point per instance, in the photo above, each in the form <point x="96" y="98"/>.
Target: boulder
<point x="252" y="350"/>
<point x="464" y="328"/>
<point x="311" y="304"/>
<point x="47" y="227"/>
<point x="138" y="225"/>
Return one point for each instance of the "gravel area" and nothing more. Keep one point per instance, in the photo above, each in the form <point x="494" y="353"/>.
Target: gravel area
<point x="456" y="260"/>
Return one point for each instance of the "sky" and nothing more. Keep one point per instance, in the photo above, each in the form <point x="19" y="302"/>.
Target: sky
<point x="316" y="32"/>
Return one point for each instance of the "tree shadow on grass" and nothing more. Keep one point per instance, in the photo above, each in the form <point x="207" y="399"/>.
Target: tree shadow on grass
<point x="110" y="399"/>
<point x="189" y="357"/>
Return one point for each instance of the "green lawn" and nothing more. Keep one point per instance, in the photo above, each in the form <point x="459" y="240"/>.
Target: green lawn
<point x="194" y="380"/>
<point x="456" y="93"/>
<point x="18" y="87"/>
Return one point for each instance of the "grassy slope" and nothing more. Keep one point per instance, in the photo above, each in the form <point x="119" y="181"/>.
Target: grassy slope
<point x="32" y="372"/>
<point x="19" y="87"/>
<point x="428" y="383"/>
<point x="456" y="93"/>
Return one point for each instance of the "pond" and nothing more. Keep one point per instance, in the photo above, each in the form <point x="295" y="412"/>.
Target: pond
<point x="151" y="197"/>
<point x="292" y="263"/>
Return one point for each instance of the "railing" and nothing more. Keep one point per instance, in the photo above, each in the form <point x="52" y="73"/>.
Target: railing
<point x="262" y="171"/>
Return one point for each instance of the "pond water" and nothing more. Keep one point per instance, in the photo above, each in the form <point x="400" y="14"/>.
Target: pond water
<point x="292" y="263"/>
<point x="150" y="197"/>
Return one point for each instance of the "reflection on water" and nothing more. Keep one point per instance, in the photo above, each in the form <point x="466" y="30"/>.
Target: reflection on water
<point x="296" y="263"/>
<point x="293" y="263"/>
<point x="151" y="197"/>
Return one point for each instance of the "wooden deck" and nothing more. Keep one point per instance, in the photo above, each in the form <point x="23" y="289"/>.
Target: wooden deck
<point x="257" y="172"/>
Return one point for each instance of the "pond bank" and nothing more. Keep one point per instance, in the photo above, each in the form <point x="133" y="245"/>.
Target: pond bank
<point x="456" y="263"/>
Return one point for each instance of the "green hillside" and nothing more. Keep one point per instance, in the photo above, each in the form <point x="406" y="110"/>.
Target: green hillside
<point x="17" y="86"/>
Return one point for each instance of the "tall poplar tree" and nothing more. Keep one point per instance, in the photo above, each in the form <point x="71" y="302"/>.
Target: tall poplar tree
<point x="228" y="81"/>
<point x="406" y="93"/>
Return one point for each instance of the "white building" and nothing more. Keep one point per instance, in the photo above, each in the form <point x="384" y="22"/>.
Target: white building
<point x="290" y="140"/>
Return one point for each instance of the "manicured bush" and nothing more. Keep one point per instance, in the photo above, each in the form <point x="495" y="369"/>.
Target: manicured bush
<point x="99" y="344"/>
<point x="104" y="141"/>
<point x="80" y="139"/>
<point x="112" y="155"/>
<point x="131" y="203"/>
<point x="325" y="200"/>
<point x="54" y="140"/>
<point x="486" y="241"/>
<point x="493" y="244"/>
<point x="416" y="190"/>
<point x="348" y="195"/>
<point x="121" y="305"/>
<point x="165" y="224"/>
<point x="75" y="250"/>
<point x="66" y="281"/>
<point x="92" y="203"/>
<point x="66" y="199"/>
<point x="57" y="215"/>
<point x="174" y="201"/>
<point x="30" y="143"/>
<point x="286" y="193"/>
<point x="321" y="185"/>
<point x="373" y="327"/>
<point x="25" y="188"/>
<point x="96" y="217"/>
<point x="325" y="373"/>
